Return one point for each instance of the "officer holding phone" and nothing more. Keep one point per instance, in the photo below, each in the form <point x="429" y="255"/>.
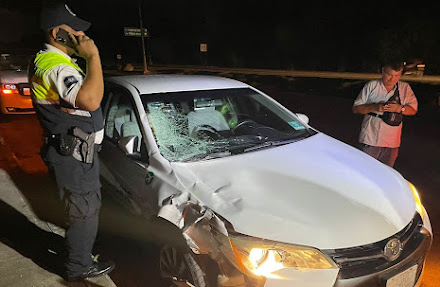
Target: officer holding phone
<point x="67" y="101"/>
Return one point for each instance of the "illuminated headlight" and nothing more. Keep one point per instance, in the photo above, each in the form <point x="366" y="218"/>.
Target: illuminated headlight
<point x="260" y="257"/>
<point x="418" y="202"/>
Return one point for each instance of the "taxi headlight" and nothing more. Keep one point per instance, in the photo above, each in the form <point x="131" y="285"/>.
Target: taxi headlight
<point x="258" y="257"/>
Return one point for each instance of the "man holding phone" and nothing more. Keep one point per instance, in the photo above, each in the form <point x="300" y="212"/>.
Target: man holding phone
<point x="67" y="101"/>
<point x="378" y="138"/>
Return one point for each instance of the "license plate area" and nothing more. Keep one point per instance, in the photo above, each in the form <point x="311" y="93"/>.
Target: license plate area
<point x="406" y="278"/>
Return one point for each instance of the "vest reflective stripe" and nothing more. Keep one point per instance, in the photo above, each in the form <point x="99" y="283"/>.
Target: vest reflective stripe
<point x="44" y="63"/>
<point x="41" y="91"/>
<point x="45" y="101"/>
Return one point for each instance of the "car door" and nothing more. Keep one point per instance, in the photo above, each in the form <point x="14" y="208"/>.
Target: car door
<point x="126" y="175"/>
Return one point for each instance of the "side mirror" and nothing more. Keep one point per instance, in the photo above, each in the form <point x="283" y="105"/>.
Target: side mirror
<point x="303" y="118"/>
<point x="128" y="144"/>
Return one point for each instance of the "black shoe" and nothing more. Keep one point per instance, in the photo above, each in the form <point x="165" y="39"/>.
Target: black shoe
<point x="95" y="270"/>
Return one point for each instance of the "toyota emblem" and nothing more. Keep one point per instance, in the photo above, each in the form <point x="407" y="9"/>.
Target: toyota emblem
<point x="392" y="249"/>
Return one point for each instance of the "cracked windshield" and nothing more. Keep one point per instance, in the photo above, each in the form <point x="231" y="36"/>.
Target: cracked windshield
<point x="197" y="125"/>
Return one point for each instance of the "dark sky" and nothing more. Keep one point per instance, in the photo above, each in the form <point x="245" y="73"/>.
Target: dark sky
<point x="344" y="35"/>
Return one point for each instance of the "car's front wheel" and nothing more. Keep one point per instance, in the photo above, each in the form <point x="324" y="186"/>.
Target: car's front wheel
<point x="182" y="269"/>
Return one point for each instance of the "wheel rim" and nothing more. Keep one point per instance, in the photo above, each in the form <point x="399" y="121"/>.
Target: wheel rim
<point x="173" y="265"/>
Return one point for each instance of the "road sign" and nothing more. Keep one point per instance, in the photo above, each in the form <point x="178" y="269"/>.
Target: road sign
<point x="203" y="47"/>
<point x="135" y="32"/>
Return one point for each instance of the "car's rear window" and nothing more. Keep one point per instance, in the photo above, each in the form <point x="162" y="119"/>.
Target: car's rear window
<point x="13" y="62"/>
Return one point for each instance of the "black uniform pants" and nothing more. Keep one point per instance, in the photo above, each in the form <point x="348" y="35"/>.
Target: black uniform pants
<point x="80" y="195"/>
<point x="82" y="211"/>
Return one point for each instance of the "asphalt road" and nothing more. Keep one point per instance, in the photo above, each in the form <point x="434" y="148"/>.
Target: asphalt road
<point x="327" y="102"/>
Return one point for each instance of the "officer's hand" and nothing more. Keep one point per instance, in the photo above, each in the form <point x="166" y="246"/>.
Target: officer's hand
<point x="85" y="47"/>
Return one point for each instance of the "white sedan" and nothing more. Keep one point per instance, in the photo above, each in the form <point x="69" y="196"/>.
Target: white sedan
<point x="255" y="189"/>
<point x="15" y="94"/>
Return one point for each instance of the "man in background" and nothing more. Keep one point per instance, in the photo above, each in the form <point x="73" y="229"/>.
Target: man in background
<point x="379" y="139"/>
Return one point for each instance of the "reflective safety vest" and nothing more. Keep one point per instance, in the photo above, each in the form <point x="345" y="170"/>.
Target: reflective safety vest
<point x="56" y="115"/>
<point x="44" y="62"/>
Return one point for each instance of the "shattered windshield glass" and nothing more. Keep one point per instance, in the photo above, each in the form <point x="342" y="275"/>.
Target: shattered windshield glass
<point x="197" y="125"/>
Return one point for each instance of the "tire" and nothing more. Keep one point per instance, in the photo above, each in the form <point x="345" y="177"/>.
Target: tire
<point x="177" y="265"/>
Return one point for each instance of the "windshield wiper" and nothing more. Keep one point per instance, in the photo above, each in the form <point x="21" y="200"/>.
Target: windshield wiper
<point x="270" y="144"/>
<point x="207" y="156"/>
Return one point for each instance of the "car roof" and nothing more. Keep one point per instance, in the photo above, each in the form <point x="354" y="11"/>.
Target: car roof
<point x="165" y="83"/>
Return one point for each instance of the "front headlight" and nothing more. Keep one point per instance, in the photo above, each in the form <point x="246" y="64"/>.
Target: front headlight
<point x="417" y="201"/>
<point x="260" y="257"/>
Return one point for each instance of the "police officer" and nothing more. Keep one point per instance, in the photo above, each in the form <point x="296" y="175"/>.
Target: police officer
<point x="67" y="101"/>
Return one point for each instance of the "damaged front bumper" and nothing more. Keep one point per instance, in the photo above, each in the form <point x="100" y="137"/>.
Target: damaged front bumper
<point x="207" y="233"/>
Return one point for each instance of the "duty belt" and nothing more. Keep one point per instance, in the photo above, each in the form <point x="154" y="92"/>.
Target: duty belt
<point x="80" y="144"/>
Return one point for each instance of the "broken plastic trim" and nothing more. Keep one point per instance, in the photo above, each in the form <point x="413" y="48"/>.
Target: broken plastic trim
<point x="207" y="233"/>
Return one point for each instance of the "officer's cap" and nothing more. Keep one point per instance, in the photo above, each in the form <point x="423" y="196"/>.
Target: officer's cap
<point x="58" y="14"/>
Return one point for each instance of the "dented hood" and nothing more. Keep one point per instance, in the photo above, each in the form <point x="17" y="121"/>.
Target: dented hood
<point x="317" y="192"/>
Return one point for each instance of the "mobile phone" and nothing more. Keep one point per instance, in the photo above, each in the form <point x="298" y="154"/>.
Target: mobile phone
<point x="63" y="38"/>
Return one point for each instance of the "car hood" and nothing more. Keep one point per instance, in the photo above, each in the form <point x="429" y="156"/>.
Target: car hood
<point x="318" y="192"/>
<point x="13" y="77"/>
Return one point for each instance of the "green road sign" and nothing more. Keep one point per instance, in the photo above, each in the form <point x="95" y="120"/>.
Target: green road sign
<point x="135" y="32"/>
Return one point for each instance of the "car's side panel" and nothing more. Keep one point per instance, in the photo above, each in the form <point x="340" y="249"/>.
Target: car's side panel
<point x="131" y="179"/>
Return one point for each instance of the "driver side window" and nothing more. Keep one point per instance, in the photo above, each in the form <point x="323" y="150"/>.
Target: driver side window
<point x="121" y="120"/>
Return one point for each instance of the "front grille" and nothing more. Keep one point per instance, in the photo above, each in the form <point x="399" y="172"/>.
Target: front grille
<point x="368" y="259"/>
<point x="22" y="87"/>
